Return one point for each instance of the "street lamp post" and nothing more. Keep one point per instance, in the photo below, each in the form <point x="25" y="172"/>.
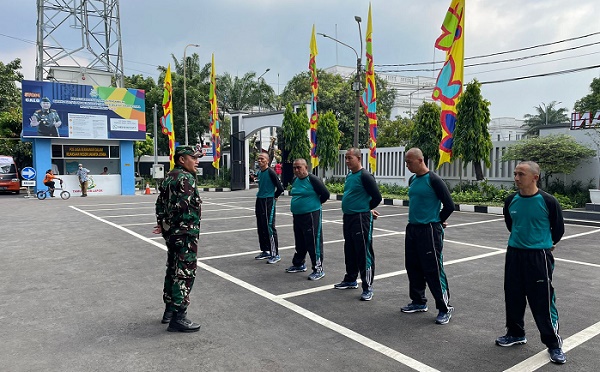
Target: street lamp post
<point x="259" y="90"/>
<point x="185" y="119"/>
<point x="410" y="99"/>
<point x="356" y="85"/>
<point x="552" y="104"/>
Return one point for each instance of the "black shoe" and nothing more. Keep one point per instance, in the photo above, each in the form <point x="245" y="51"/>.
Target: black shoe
<point x="167" y="316"/>
<point x="557" y="356"/>
<point x="179" y="323"/>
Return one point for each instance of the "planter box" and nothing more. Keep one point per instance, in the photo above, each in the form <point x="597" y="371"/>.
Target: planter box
<point x="595" y="196"/>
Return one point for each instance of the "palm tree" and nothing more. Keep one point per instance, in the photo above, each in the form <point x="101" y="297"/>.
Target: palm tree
<point x="546" y="115"/>
<point x="245" y="93"/>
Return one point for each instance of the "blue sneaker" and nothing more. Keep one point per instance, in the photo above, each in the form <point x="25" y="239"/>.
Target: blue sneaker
<point x="444" y="317"/>
<point x="346" y="285"/>
<point x="296" y="269"/>
<point x="414" y="308"/>
<point x="316" y="275"/>
<point x="263" y="255"/>
<point x="366" y="295"/>
<point x="274" y="259"/>
<point x="557" y="356"/>
<point x="510" y="340"/>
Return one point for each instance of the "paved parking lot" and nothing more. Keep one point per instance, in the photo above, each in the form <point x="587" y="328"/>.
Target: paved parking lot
<point x="82" y="285"/>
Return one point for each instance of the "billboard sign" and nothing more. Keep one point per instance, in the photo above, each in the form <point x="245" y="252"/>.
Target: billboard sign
<point x="75" y="111"/>
<point x="585" y="120"/>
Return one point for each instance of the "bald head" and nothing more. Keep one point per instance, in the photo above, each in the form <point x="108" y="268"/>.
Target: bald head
<point x="415" y="152"/>
<point x="415" y="162"/>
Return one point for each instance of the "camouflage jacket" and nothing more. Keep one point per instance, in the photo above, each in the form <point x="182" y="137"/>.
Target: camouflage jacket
<point x="178" y="203"/>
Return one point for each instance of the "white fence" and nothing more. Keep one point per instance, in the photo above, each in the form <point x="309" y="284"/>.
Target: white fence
<point x="391" y="168"/>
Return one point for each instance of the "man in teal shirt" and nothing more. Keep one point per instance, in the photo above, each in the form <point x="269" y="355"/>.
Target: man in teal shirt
<point x="269" y="189"/>
<point x="424" y="239"/>
<point x="361" y="197"/>
<point x="536" y="225"/>
<point x="308" y="193"/>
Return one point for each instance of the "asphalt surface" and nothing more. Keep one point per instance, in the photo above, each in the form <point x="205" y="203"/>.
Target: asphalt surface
<point x="81" y="290"/>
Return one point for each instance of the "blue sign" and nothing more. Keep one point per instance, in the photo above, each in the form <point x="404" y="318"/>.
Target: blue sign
<point x="28" y="173"/>
<point x="75" y="111"/>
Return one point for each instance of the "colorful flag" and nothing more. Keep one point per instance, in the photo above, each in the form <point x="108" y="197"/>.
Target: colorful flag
<point x="167" y="119"/>
<point x="448" y="86"/>
<point x="369" y="98"/>
<point x="214" y="125"/>
<point x="314" y="87"/>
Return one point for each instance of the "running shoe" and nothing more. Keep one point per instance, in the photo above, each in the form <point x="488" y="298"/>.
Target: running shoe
<point x="414" y="308"/>
<point x="346" y="285"/>
<point x="296" y="269"/>
<point x="316" y="275"/>
<point x="510" y="340"/>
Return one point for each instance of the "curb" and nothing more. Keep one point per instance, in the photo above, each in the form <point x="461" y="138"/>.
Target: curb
<point x="472" y="208"/>
<point x="214" y="189"/>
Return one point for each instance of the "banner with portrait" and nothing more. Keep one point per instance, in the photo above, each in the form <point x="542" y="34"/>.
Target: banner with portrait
<point x="76" y="111"/>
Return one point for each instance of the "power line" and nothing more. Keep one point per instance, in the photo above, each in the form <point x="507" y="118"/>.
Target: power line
<point x="562" y="72"/>
<point x="499" y="69"/>
<point x="493" y="54"/>
<point x="17" y="38"/>
<point x="84" y="51"/>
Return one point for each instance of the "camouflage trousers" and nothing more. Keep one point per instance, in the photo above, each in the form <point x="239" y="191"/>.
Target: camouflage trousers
<point x="181" y="270"/>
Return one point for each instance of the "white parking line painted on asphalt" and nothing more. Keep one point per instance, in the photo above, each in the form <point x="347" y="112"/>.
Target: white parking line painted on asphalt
<point x="392" y="215"/>
<point x="124" y="215"/>
<point x="580" y="234"/>
<point x="576" y="262"/>
<point x="384" y="276"/>
<point x="280" y="248"/>
<point x="107" y="204"/>
<point x="365" y="341"/>
<point x="120" y="209"/>
<point x="473" y="223"/>
<point x="540" y="359"/>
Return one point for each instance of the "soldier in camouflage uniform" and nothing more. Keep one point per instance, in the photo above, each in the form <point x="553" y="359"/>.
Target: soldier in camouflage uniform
<point x="46" y="120"/>
<point x="178" y="220"/>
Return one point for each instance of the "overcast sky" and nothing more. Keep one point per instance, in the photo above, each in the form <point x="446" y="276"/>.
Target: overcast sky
<point x="260" y="34"/>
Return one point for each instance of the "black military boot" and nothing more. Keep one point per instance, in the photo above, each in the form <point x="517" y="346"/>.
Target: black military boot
<point x="167" y="316"/>
<point x="180" y="323"/>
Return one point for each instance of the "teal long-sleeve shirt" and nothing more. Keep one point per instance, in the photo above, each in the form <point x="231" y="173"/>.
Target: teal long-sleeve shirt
<point x="427" y="193"/>
<point x="269" y="185"/>
<point x="361" y="193"/>
<point x="534" y="221"/>
<point x="307" y="194"/>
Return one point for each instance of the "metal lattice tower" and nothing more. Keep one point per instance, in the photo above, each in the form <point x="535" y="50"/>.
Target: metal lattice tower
<point x="82" y="36"/>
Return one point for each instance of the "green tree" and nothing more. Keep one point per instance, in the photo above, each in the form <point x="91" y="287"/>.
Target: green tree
<point x="141" y="148"/>
<point x="10" y="137"/>
<point x="328" y="140"/>
<point x="591" y="102"/>
<point x="395" y="132"/>
<point x="294" y="129"/>
<point x="554" y="153"/>
<point x="10" y="94"/>
<point x="472" y="141"/>
<point x="336" y="95"/>
<point x="427" y="132"/>
<point x="243" y="93"/>
<point x="546" y="115"/>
